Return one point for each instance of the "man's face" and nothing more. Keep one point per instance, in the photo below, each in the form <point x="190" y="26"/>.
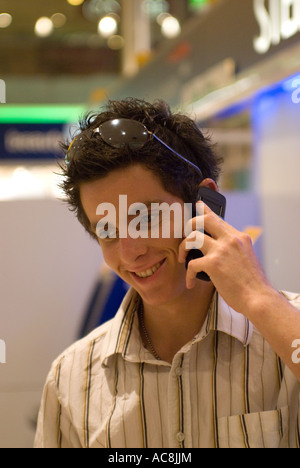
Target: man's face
<point x="149" y="264"/>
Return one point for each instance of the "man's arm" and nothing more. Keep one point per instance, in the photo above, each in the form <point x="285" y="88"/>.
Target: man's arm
<point x="231" y="263"/>
<point x="47" y="425"/>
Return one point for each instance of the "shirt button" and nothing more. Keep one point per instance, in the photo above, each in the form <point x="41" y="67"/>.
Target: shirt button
<point x="178" y="371"/>
<point x="180" y="437"/>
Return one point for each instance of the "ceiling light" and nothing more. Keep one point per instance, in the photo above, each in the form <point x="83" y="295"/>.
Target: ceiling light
<point x="58" y="20"/>
<point x="155" y="7"/>
<point x="107" y="26"/>
<point x="170" y="27"/>
<point x="43" y="27"/>
<point x="5" y="20"/>
<point x="115" y="42"/>
<point x="96" y="9"/>
<point x="161" y="18"/>
<point x="75" y="2"/>
<point x="29" y="182"/>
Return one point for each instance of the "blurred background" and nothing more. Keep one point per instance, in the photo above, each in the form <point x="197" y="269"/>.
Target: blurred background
<point x="232" y="65"/>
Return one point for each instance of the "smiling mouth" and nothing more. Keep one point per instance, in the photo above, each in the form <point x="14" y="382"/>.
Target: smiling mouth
<point x="150" y="271"/>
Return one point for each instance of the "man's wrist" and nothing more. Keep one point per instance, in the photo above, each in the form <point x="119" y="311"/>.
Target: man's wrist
<point x="261" y="303"/>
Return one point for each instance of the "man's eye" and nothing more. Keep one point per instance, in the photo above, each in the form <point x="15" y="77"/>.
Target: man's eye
<point x="149" y="219"/>
<point x="155" y="218"/>
<point x="146" y="219"/>
<point x="106" y="231"/>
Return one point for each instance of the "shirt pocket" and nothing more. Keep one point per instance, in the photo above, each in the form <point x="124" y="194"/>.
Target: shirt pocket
<point x="268" y="429"/>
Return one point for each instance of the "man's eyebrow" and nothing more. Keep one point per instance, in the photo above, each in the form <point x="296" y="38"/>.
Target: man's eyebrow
<point x="155" y="201"/>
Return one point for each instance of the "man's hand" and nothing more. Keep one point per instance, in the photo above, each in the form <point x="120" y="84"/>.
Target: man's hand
<point x="235" y="271"/>
<point x="229" y="260"/>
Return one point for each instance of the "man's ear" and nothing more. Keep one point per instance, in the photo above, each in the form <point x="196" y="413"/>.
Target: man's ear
<point x="210" y="183"/>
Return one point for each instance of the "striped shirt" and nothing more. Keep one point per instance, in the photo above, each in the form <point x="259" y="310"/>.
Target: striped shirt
<point x="225" y="388"/>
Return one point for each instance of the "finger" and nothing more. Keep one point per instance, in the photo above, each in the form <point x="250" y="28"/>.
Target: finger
<point x="196" y="240"/>
<point x="194" y="224"/>
<point x="213" y="224"/>
<point x="193" y="240"/>
<point x="194" y="267"/>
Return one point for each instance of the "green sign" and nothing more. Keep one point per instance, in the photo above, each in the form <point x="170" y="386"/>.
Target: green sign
<point x="198" y="3"/>
<point x="51" y="113"/>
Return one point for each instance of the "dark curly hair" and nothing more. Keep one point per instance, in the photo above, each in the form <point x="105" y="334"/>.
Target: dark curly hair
<point x="97" y="159"/>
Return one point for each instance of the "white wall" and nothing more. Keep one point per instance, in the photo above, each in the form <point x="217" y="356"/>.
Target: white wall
<point x="243" y="211"/>
<point x="276" y="121"/>
<point x="48" y="265"/>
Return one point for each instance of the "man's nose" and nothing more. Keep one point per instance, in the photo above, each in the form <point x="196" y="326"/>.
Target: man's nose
<point x="131" y="249"/>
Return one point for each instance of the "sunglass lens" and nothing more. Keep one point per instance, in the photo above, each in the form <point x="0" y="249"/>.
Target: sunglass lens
<point x="124" y="132"/>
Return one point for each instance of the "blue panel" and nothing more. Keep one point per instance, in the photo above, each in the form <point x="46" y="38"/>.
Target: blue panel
<point x="31" y="141"/>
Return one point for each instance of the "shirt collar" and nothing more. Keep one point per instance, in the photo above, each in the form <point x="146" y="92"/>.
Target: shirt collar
<point x="223" y="318"/>
<point x="123" y="335"/>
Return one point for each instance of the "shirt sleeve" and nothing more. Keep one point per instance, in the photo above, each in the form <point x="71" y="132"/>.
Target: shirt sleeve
<point x="48" y="424"/>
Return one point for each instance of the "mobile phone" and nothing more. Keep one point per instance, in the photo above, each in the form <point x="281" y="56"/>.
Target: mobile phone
<point x="217" y="203"/>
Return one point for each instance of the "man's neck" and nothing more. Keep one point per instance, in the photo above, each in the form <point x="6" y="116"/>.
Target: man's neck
<point x="170" y="326"/>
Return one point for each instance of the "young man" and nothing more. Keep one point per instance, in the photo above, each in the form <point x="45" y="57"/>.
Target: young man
<point x="185" y="362"/>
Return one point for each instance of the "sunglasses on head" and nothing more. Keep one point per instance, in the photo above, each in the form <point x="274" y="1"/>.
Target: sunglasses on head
<point x="120" y="133"/>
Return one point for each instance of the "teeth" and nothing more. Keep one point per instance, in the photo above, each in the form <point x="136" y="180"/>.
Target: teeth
<point x="149" y="272"/>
